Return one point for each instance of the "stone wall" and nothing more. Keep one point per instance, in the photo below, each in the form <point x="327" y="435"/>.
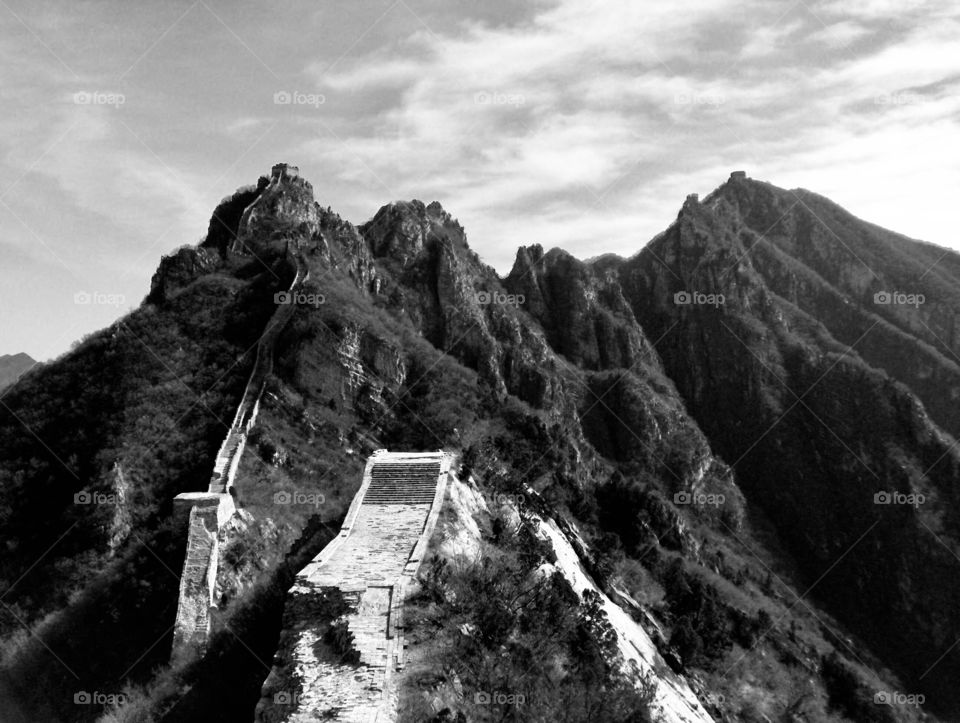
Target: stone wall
<point x="371" y="563"/>
<point x="204" y="513"/>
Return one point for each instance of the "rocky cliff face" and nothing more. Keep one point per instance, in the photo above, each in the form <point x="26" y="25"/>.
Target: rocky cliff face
<point x="432" y="278"/>
<point x="816" y="395"/>
<point x="856" y="278"/>
<point x="707" y="422"/>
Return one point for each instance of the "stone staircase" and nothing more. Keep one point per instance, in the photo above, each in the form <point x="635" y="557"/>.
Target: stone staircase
<point x="399" y="483"/>
<point x="371" y="561"/>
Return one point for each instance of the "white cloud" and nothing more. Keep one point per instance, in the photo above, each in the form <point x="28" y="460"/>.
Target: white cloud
<point x="517" y="121"/>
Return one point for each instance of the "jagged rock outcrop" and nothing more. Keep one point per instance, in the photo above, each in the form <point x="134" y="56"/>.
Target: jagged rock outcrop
<point x="341" y="246"/>
<point x="582" y="310"/>
<point x="179" y="270"/>
<point x="225" y="221"/>
<point x="457" y="303"/>
<point x="122" y="522"/>
<point x="284" y="209"/>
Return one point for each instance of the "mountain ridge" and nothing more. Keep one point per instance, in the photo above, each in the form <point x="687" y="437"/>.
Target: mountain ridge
<point x="631" y="413"/>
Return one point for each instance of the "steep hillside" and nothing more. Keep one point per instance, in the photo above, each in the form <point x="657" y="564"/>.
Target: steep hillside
<point x="854" y="277"/>
<point x="571" y="391"/>
<point x="816" y="396"/>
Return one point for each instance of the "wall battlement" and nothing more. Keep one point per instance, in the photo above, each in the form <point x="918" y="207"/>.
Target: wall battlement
<point x="284" y="172"/>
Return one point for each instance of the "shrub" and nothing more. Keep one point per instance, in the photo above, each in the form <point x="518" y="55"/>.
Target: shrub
<point x="340" y="639"/>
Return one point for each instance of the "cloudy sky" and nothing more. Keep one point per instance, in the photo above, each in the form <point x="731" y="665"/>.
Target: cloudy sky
<point x="572" y="123"/>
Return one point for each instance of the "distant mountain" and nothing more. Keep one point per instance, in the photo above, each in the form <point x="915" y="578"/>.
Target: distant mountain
<point x="745" y="432"/>
<point x="12" y="366"/>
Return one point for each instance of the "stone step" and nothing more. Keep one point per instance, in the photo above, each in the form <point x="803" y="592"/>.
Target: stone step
<point x="388" y="483"/>
<point x="401" y="499"/>
<point x="394" y="487"/>
<point x="425" y="471"/>
<point x="400" y="488"/>
<point x="401" y="494"/>
<point x="405" y="500"/>
<point x="395" y="503"/>
<point x="418" y="475"/>
<point x="376" y="474"/>
<point x="406" y="468"/>
<point x="423" y="494"/>
<point x="383" y="473"/>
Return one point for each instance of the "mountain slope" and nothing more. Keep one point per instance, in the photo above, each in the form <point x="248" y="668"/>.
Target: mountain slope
<point x="578" y="390"/>
<point x="814" y="394"/>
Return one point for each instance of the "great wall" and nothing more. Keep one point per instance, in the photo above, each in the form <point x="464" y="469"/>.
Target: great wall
<point x="205" y="513"/>
<point x="371" y="562"/>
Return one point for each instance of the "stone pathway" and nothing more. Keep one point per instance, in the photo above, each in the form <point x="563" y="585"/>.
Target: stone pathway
<point x="377" y="551"/>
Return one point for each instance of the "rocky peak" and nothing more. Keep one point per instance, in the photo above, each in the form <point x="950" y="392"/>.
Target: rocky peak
<point x="580" y="307"/>
<point x="283" y="210"/>
<point x="403" y="229"/>
<point x="705" y="233"/>
<point x="179" y="269"/>
<point x="771" y="211"/>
